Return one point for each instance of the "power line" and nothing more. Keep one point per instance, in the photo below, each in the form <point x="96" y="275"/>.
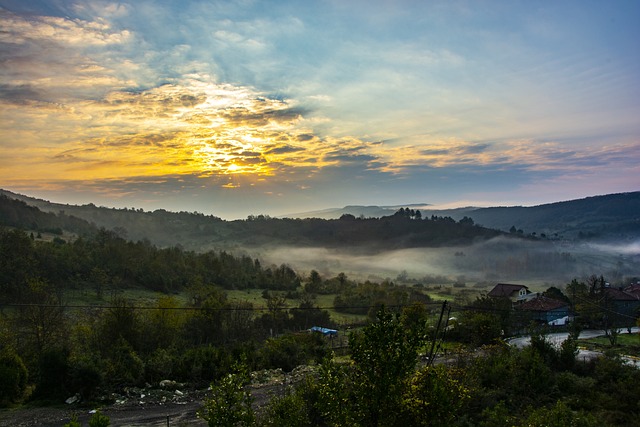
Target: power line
<point x="452" y="307"/>
<point x="132" y="307"/>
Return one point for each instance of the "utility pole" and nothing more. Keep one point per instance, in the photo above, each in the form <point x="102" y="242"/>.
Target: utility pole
<point x="435" y="335"/>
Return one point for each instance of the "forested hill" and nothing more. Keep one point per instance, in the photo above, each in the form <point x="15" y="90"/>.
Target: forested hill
<point x="612" y="216"/>
<point x="17" y="213"/>
<point x="194" y="231"/>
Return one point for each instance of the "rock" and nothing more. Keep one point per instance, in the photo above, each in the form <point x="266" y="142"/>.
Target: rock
<point x="168" y="384"/>
<point x="72" y="399"/>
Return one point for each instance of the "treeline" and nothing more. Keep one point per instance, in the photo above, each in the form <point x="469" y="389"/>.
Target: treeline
<point x="405" y="229"/>
<point x="195" y="231"/>
<point x="16" y="213"/>
<point x="107" y="261"/>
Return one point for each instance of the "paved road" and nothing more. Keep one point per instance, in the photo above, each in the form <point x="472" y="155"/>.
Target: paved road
<point x="558" y="337"/>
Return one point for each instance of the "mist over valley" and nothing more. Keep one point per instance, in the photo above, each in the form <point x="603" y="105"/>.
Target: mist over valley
<point x="562" y="241"/>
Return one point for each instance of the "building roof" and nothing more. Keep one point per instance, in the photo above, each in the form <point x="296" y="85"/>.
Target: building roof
<point x="618" y="295"/>
<point x="505" y="290"/>
<point x="633" y="289"/>
<point x="325" y="331"/>
<point x="542" y="303"/>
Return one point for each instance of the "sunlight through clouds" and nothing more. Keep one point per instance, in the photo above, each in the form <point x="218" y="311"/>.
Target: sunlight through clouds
<point x="313" y="103"/>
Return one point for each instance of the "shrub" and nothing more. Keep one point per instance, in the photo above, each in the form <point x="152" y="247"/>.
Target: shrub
<point x="287" y="410"/>
<point x="435" y="396"/>
<point x="290" y="351"/>
<point x="204" y="363"/>
<point x="13" y="377"/>
<point x="124" y="366"/>
<point x="99" y="420"/>
<point x="86" y="377"/>
<point x="73" y="422"/>
<point x="559" y="415"/>
<point x="230" y="401"/>
<point x="53" y="374"/>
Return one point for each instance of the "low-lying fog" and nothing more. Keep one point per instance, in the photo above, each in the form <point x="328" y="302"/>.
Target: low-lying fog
<point x="501" y="259"/>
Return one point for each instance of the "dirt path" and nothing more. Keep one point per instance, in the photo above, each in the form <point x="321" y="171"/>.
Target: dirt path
<point x="153" y="415"/>
<point x="138" y="411"/>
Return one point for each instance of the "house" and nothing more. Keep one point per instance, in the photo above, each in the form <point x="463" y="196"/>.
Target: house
<point x="623" y="306"/>
<point x="545" y="310"/>
<point x="633" y="289"/>
<point x="516" y="293"/>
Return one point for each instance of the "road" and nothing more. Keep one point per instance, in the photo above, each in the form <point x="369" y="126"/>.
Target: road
<point x="558" y="337"/>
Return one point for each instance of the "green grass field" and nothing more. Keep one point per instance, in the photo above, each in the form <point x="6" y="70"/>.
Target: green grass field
<point x="144" y="297"/>
<point x="628" y="344"/>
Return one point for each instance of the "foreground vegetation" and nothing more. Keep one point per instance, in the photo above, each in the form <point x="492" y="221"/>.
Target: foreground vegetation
<point x="195" y="333"/>
<point x="382" y="385"/>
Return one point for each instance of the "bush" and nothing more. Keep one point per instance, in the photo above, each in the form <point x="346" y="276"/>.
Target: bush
<point x="287" y="410"/>
<point x="435" y="396"/>
<point x="13" y="377"/>
<point x="289" y="351"/>
<point x="53" y="374"/>
<point x="230" y="401"/>
<point x="99" y="420"/>
<point x="124" y="366"/>
<point x="204" y="363"/>
<point x="86" y="377"/>
<point x="559" y="415"/>
<point x="73" y="422"/>
<point x="159" y="365"/>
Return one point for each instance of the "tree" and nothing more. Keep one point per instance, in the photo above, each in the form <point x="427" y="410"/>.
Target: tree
<point x="314" y="282"/>
<point x="205" y="325"/>
<point x="559" y="415"/>
<point x="161" y="327"/>
<point x="288" y="410"/>
<point x="557" y="294"/>
<point x="229" y="402"/>
<point x="466" y="221"/>
<point x="435" y="397"/>
<point x="40" y="323"/>
<point x="17" y="264"/>
<point x="120" y="321"/>
<point x="384" y="356"/>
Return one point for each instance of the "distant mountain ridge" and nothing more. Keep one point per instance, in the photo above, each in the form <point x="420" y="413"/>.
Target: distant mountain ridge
<point x="613" y="216"/>
<point x="606" y="216"/>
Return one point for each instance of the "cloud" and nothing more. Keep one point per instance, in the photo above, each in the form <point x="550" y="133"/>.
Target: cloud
<point x="275" y="98"/>
<point x="50" y="30"/>
<point x="18" y="93"/>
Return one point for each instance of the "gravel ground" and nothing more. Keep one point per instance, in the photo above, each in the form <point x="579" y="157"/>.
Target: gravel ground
<point x="149" y="407"/>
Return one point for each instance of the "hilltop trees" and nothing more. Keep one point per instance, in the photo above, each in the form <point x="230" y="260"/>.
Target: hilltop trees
<point x="107" y="262"/>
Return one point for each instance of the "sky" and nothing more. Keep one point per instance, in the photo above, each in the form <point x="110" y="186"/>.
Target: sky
<point x="235" y="108"/>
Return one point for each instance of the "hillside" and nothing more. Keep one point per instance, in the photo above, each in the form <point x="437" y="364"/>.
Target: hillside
<point x="195" y="231"/>
<point x="609" y="217"/>
<point x="612" y="216"/>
